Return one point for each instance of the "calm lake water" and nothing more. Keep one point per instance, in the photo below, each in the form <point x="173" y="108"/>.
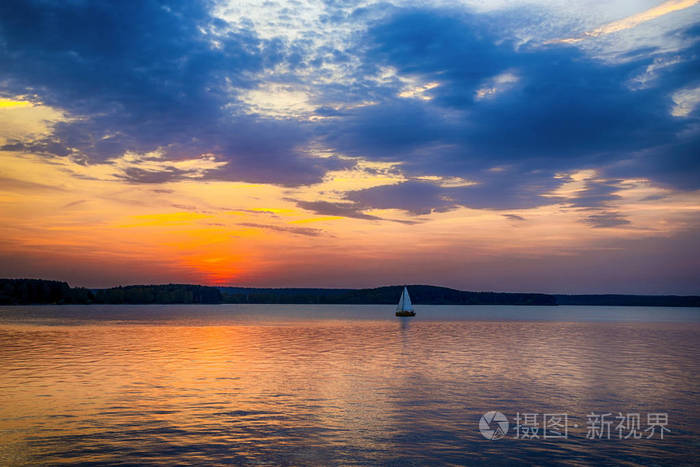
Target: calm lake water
<point x="325" y="385"/>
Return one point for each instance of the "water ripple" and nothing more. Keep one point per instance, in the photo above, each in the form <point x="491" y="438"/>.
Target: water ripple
<point x="139" y="385"/>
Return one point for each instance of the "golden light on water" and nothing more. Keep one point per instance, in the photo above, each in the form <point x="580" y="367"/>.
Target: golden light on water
<point x="246" y="384"/>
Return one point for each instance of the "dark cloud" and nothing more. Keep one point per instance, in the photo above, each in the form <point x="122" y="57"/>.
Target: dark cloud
<point x="185" y="207"/>
<point x="43" y="146"/>
<point x="295" y="230"/>
<point x="597" y="193"/>
<point x="327" y="208"/>
<point x="328" y="112"/>
<point x="514" y="217"/>
<point x="141" y="75"/>
<point x="416" y="197"/>
<point x="420" y="197"/>
<point x="9" y="183"/>
<point x="654" y="197"/>
<point x="606" y="219"/>
<point x="399" y="130"/>
<point x="496" y="190"/>
<point x="136" y="175"/>
<point x="74" y="203"/>
<point x="674" y="164"/>
<point x="559" y="111"/>
<point x="347" y="209"/>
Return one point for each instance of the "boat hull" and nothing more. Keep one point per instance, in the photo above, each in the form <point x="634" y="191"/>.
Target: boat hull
<point x="405" y="313"/>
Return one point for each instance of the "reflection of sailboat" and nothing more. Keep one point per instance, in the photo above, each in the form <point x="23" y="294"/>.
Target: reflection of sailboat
<point x="404" y="308"/>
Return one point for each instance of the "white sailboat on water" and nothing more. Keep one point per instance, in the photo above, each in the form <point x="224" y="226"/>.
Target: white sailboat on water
<point x="404" y="308"/>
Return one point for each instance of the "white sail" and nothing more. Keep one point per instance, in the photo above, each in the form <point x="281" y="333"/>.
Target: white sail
<point x="404" y="302"/>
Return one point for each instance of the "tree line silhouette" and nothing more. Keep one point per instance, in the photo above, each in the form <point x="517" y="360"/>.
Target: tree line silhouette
<point x="39" y="291"/>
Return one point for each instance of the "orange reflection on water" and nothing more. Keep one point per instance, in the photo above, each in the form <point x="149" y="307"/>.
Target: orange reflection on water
<point x="213" y="384"/>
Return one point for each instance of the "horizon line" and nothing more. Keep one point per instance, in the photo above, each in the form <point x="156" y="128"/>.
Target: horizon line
<point x="696" y="294"/>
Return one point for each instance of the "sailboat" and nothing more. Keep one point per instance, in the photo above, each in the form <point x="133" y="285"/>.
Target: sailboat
<point x="404" y="308"/>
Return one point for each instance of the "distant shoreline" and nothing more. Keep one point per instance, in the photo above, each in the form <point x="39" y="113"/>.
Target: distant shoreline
<point x="47" y="292"/>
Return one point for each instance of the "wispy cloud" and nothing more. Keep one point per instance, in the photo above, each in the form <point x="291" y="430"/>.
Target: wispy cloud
<point x="685" y="101"/>
<point x="280" y="228"/>
<point x="629" y="22"/>
<point x="339" y="209"/>
<point x="606" y="220"/>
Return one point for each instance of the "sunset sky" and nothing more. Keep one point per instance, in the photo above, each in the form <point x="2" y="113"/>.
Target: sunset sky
<point x="544" y="145"/>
